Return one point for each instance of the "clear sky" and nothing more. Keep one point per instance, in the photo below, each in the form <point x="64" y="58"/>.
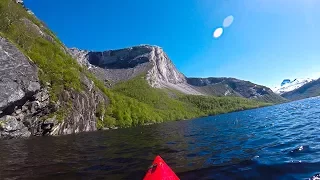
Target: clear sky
<point x="268" y="41"/>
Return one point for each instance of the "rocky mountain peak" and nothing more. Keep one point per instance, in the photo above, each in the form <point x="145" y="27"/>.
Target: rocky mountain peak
<point x="163" y="71"/>
<point x="126" y="63"/>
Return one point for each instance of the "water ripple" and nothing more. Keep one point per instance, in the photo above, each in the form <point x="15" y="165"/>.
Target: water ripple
<point x="278" y="142"/>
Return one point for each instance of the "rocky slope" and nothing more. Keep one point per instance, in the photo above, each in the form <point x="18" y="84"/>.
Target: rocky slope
<point x="18" y="83"/>
<point x="310" y="89"/>
<point x="119" y="65"/>
<point x="27" y="106"/>
<point x="24" y="104"/>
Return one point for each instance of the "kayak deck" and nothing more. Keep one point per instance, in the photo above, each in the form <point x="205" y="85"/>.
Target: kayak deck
<point x="159" y="170"/>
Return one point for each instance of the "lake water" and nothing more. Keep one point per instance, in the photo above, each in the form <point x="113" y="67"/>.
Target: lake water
<point x="278" y="142"/>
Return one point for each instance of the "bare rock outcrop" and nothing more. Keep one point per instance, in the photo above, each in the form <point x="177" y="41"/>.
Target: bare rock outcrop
<point x="25" y="106"/>
<point x="81" y="116"/>
<point x="80" y="56"/>
<point x="10" y="127"/>
<point x="18" y="77"/>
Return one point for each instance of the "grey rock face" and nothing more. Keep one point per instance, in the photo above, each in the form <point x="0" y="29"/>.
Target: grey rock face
<point x="120" y="59"/>
<point x="82" y="117"/>
<point x="18" y="76"/>
<point x="30" y="113"/>
<point x="10" y="127"/>
<point x="163" y="70"/>
<point x="80" y="55"/>
<point x="31" y="118"/>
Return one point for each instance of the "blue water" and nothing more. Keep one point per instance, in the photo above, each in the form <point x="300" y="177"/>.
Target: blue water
<point x="277" y="142"/>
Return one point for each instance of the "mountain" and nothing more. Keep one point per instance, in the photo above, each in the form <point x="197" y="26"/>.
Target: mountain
<point x="48" y="89"/>
<point x="298" y="88"/>
<point x="309" y="89"/>
<point x="114" y="66"/>
<point x="287" y="85"/>
<point x="234" y="87"/>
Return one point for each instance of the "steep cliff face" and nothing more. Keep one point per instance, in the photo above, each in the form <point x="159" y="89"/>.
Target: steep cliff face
<point x="18" y="77"/>
<point x="18" y="83"/>
<point x="81" y="116"/>
<point x="119" y="65"/>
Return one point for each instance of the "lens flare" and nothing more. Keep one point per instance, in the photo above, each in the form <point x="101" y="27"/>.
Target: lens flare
<point x="217" y="33"/>
<point x="228" y="21"/>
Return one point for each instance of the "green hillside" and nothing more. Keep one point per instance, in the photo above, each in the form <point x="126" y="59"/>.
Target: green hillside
<point x="172" y="105"/>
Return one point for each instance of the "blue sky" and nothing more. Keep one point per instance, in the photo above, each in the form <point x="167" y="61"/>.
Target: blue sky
<point x="269" y="40"/>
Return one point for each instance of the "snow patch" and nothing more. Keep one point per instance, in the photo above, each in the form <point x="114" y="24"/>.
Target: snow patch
<point x="287" y="85"/>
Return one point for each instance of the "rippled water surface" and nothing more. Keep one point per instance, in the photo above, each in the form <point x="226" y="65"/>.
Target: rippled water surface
<point x="278" y="142"/>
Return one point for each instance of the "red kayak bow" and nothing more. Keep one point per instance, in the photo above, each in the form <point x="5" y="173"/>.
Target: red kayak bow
<point x="159" y="170"/>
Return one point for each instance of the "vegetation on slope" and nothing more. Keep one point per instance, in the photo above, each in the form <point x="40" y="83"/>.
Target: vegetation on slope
<point x="132" y="103"/>
<point x="272" y="98"/>
<point x="217" y="105"/>
<point x="57" y="67"/>
<point x="169" y="105"/>
<point x="122" y="111"/>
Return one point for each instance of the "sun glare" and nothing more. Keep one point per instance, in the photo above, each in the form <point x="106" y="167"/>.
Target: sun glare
<point x="217" y="33"/>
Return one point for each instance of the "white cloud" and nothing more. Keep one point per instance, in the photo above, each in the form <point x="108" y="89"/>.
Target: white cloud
<point x="228" y="21"/>
<point x="217" y="33"/>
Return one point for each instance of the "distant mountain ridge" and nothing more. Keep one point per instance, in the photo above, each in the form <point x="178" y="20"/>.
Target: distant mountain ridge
<point x="287" y="85"/>
<point x="310" y="89"/>
<point x="234" y="87"/>
<point x="113" y="66"/>
<point x="299" y="88"/>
